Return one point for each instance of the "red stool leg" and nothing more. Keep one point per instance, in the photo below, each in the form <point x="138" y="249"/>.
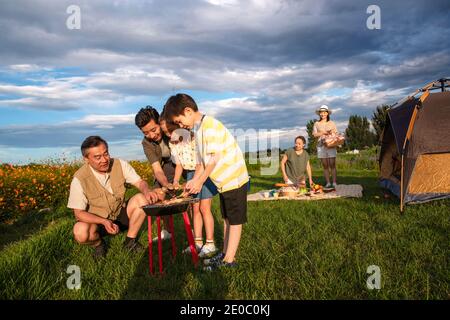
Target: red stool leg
<point x="187" y="226"/>
<point x="150" y="244"/>
<point x="158" y="222"/>
<point x="191" y="212"/>
<point x="174" y="249"/>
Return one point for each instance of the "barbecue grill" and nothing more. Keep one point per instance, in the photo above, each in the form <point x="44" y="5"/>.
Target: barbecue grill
<point x="165" y="209"/>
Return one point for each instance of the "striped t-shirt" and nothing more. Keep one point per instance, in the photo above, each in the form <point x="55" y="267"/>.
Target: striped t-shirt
<point x="230" y="171"/>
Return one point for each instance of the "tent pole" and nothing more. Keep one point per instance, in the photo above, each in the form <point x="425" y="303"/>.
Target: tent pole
<point x="408" y="136"/>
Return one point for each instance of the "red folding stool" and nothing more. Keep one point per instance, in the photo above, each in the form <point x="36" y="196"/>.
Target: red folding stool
<point x="169" y="210"/>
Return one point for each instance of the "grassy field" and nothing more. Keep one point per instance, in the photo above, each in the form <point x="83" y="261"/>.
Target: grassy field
<point x="289" y="250"/>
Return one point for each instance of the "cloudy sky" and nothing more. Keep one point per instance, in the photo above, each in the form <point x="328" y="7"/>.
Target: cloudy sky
<point x="254" y="65"/>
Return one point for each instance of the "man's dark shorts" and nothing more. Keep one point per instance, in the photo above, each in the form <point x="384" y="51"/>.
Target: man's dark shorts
<point x="233" y="205"/>
<point x="122" y="222"/>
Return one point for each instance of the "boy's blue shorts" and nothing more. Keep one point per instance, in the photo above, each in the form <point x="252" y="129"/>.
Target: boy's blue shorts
<point x="209" y="189"/>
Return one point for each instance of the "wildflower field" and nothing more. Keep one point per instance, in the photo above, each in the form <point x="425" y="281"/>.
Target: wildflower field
<point x="36" y="187"/>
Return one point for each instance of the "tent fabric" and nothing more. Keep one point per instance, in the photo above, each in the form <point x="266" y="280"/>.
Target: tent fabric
<point x="430" y="132"/>
<point x="429" y="175"/>
<point x="432" y="126"/>
<point x="426" y="154"/>
<point x="399" y="119"/>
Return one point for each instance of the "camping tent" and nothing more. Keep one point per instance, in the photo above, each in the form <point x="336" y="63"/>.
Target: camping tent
<point x="417" y="132"/>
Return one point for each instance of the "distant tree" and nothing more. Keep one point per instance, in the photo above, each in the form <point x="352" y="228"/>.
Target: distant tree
<point x="358" y="134"/>
<point x="312" y="141"/>
<point x="379" y="119"/>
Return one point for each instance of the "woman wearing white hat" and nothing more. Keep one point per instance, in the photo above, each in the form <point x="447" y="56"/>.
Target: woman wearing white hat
<point x="327" y="156"/>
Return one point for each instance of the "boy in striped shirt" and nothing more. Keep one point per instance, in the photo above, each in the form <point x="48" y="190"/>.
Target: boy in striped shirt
<point x="220" y="159"/>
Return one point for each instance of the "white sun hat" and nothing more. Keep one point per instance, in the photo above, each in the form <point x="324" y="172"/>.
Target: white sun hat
<point x="323" y="107"/>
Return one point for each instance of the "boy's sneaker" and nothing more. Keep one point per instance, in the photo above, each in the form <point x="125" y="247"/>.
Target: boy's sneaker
<point x="165" y="235"/>
<point x="334" y="185"/>
<point x="217" y="258"/>
<point x="220" y="265"/>
<point x="133" y="246"/>
<point x="328" y="185"/>
<point x="207" y="251"/>
<point x="100" y="250"/>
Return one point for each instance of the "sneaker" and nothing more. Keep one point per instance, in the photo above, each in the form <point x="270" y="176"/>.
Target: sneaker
<point x="334" y="185"/>
<point x="188" y="249"/>
<point x="133" y="246"/>
<point x="220" y="265"/>
<point x="218" y="257"/>
<point x="165" y="235"/>
<point x="100" y="250"/>
<point x="207" y="251"/>
<point x="328" y="185"/>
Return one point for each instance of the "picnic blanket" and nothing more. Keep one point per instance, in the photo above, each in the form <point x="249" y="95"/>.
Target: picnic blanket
<point x="342" y="191"/>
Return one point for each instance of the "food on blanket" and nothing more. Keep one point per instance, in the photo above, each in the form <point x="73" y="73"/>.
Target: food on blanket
<point x="282" y="185"/>
<point x="288" y="191"/>
<point x="317" y="188"/>
<point x="303" y="190"/>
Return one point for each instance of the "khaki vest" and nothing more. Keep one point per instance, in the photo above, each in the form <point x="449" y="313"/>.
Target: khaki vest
<point x="100" y="201"/>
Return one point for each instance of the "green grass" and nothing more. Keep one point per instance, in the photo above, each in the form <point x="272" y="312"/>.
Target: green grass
<point x="289" y="250"/>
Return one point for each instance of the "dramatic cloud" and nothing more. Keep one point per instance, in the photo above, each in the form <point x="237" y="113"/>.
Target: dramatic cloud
<point x="253" y="64"/>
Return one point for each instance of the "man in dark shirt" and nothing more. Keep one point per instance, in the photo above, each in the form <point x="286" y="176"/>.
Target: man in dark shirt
<point x="156" y="146"/>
